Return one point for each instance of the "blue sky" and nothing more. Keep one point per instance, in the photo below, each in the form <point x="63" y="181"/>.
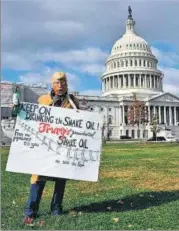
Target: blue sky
<point x="43" y="36"/>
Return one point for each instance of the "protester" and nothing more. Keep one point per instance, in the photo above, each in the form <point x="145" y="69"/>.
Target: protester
<point x="58" y="97"/>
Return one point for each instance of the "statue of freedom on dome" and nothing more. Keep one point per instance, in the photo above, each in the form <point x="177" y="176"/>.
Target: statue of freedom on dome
<point x="130" y="12"/>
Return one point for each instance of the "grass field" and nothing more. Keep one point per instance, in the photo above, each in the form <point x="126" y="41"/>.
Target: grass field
<point x="138" y="188"/>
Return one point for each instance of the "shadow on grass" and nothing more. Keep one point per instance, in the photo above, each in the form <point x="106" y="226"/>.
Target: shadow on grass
<point x="135" y="202"/>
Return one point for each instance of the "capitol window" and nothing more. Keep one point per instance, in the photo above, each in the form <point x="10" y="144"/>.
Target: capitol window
<point x="144" y="63"/>
<point x="127" y="132"/>
<point x="102" y="109"/>
<point x="152" y="81"/>
<point x="114" y="65"/>
<point x="126" y="78"/>
<point x="142" y="81"/>
<point x="132" y="81"/>
<point x="138" y="133"/>
<point x="133" y="134"/>
<point x="139" y="62"/>
<point x="131" y="63"/>
<point x="126" y="63"/>
<point x="135" y="62"/>
<point x="121" y="81"/>
<point x="137" y="80"/>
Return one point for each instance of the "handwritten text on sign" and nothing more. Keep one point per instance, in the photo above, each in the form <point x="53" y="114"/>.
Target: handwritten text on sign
<point x="56" y="142"/>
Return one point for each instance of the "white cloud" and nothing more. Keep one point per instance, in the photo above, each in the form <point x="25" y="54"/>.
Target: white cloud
<point x="16" y="61"/>
<point x="168" y="62"/>
<point x="90" y="60"/>
<point x="80" y="56"/>
<point x="91" y="92"/>
<point x="93" y="69"/>
<point x="45" y="77"/>
<point x="166" y="58"/>
<point x="172" y="89"/>
<point x="64" y="24"/>
<point x="171" y="75"/>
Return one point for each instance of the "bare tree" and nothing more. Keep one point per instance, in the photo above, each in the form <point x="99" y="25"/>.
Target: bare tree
<point x="137" y="113"/>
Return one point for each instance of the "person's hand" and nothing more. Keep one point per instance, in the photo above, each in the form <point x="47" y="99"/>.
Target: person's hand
<point x="11" y="106"/>
<point x="15" y="109"/>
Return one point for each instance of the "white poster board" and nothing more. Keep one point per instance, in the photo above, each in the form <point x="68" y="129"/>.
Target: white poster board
<point x="56" y="142"/>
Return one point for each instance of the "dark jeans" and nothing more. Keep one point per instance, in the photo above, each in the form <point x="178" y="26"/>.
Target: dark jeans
<point x="36" y="191"/>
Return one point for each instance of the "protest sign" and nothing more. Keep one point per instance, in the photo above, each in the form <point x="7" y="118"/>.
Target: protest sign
<point x="56" y="142"/>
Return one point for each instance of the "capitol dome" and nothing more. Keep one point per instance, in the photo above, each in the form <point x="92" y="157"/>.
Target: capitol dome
<point x="131" y="66"/>
<point x="130" y="41"/>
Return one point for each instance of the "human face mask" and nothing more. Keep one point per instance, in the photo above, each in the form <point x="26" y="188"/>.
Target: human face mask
<point x="60" y="86"/>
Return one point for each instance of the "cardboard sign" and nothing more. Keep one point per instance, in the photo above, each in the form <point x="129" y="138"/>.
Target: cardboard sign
<point x="56" y="142"/>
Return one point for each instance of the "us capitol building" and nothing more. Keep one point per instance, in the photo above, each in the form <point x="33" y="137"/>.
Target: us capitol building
<point x="130" y="69"/>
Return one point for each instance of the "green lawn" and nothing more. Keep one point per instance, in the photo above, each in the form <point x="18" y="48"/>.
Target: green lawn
<point x="138" y="188"/>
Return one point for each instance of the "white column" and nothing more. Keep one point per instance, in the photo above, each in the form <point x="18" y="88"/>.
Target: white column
<point x="145" y="81"/>
<point x="150" y="81"/>
<point x="140" y="76"/>
<point x="149" y="114"/>
<point x="119" y="83"/>
<point x="154" y="110"/>
<point x="124" y="83"/>
<point x="114" y="114"/>
<point x="123" y="114"/>
<point x="170" y="115"/>
<point x="134" y="80"/>
<point x="175" y="116"/>
<point x="117" y="116"/>
<point x="129" y="81"/>
<point x="165" y="114"/>
<point x="120" y="114"/>
<point x="158" y="82"/>
<point x="160" y="117"/>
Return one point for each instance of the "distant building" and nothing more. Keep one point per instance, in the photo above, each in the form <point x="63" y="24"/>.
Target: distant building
<point x="28" y="94"/>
